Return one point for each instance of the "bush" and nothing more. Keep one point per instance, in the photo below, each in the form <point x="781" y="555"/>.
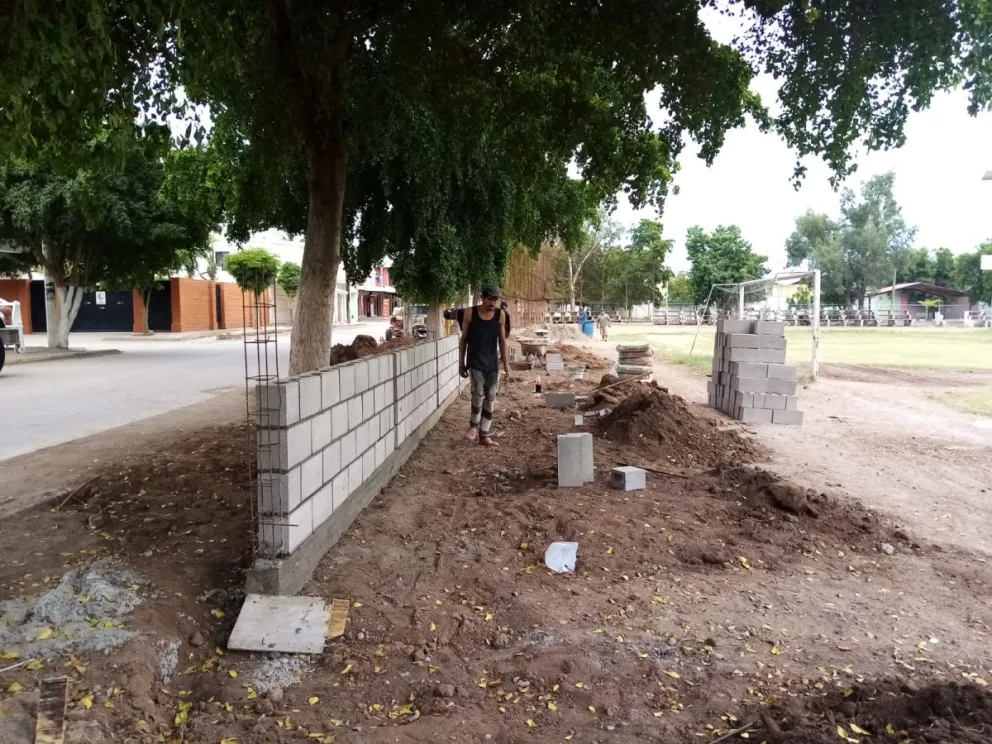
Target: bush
<point x="253" y="269"/>
<point x="289" y="279"/>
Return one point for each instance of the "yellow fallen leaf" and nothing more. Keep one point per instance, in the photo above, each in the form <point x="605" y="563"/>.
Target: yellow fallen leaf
<point x="108" y="704"/>
<point x="673" y="675"/>
<point x="619" y="639"/>
<point x="523" y="546"/>
<point x="580" y="685"/>
<point x="592" y="708"/>
<point x="552" y="707"/>
<point x="35" y="665"/>
<point x="347" y="669"/>
<point x="489" y="617"/>
<point x="8" y="655"/>
<point x="643" y="656"/>
<point x="142" y="726"/>
<point x="743" y="561"/>
<point x="217" y="613"/>
<point x="609" y="551"/>
<point x="86" y="702"/>
<point x="530" y="723"/>
<point x="228" y="741"/>
<point x="438" y="602"/>
<point x="858" y="730"/>
<point x="313" y="700"/>
<point x="76" y="664"/>
<point x="232" y="674"/>
<point x="433" y="627"/>
<point x="775" y="650"/>
<point x="846" y="736"/>
<point x="15" y="687"/>
<point x="45" y="634"/>
<point x="356" y="605"/>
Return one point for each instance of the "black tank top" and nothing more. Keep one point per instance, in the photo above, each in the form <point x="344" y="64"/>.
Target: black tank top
<point x="483" y="343"/>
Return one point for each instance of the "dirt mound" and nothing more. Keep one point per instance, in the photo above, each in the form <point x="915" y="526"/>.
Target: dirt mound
<point x="575" y="355"/>
<point x="653" y="419"/>
<point x="946" y="712"/>
<point x="611" y="391"/>
<point x="365" y="346"/>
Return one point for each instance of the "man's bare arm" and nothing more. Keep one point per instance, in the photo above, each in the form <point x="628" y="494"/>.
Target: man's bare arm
<point x="463" y="344"/>
<point x="502" y="346"/>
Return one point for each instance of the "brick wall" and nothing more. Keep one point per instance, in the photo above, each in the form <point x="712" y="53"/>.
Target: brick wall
<point x="18" y="290"/>
<point x="324" y="434"/>
<point x="233" y="311"/>
<point x="194" y="305"/>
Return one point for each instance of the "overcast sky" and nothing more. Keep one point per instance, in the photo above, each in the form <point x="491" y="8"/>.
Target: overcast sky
<point x="938" y="180"/>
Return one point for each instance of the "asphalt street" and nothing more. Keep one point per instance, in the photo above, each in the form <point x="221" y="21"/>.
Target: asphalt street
<point x="49" y="403"/>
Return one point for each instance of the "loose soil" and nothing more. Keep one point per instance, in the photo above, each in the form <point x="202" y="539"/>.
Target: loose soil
<point x="720" y="595"/>
<point x="365" y="346"/>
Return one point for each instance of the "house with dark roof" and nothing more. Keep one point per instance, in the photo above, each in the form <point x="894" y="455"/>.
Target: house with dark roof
<point x="909" y="297"/>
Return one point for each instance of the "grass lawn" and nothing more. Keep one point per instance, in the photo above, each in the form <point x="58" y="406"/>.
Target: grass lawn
<point x="972" y="401"/>
<point x="932" y="348"/>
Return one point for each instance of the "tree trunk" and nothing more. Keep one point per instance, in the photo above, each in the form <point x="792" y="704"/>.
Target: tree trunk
<point x="310" y="347"/>
<point x="434" y="321"/>
<point x="51" y="313"/>
<point x="146" y="301"/>
<point x="72" y="298"/>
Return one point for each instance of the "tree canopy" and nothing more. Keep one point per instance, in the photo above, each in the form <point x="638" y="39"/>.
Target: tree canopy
<point x="635" y="272"/>
<point x="862" y="249"/>
<point x="969" y="275"/>
<point x="441" y="134"/>
<point x="720" y="257"/>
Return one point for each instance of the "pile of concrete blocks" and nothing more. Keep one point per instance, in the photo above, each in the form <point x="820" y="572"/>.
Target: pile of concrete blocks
<point x="751" y="381"/>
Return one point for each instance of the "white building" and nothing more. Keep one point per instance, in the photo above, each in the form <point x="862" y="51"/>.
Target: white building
<point x="373" y="298"/>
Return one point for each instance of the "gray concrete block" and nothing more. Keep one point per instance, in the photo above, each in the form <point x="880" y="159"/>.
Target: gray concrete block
<point x="749" y="384"/>
<point x="743" y="341"/>
<point x="368" y="462"/>
<point x="279" y="493"/>
<point x="339" y="488"/>
<point x="322" y="503"/>
<point x="311" y="475"/>
<point x="355" y="476"/>
<point x="354" y="412"/>
<point x="368" y="404"/>
<point x="298" y="444"/>
<point x="332" y="461"/>
<point x="769" y="328"/>
<point x="756" y="415"/>
<point x="320" y="431"/>
<point x="339" y="420"/>
<point x="775" y="402"/>
<point x="741" y="369"/>
<point x="782" y="387"/>
<point x="791" y="403"/>
<point x="781" y="371"/>
<point x="768" y="356"/>
<point x="310" y="395"/>
<point x="361" y="375"/>
<point x="758" y="400"/>
<point x="770" y="342"/>
<point x="378" y="398"/>
<point x="554" y="362"/>
<point x="572" y="451"/>
<point x="744" y="400"/>
<point x="278" y="403"/>
<point x="794" y="418"/>
<point x="559" y="400"/>
<point x="750" y="356"/>
<point x="330" y="387"/>
<point x="346" y="373"/>
<point x="374" y="376"/>
<point x="588" y="469"/>
<point x="627" y="478"/>
<point x="349" y="448"/>
<point x="730" y="325"/>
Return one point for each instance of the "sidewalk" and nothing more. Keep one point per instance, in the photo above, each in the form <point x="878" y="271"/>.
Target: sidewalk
<point x="34" y="354"/>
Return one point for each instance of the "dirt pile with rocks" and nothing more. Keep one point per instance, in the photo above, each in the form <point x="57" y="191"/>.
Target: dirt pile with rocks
<point x="653" y="419"/>
<point x="365" y="346"/>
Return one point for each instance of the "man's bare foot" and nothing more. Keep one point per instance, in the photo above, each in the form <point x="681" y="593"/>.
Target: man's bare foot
<point x="473" y="433"/>
<point x="488" y="442"/>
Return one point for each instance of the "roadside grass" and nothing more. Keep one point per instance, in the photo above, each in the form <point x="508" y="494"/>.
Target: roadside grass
<point x="978" y="402"/>
<point x="928" y="348"/>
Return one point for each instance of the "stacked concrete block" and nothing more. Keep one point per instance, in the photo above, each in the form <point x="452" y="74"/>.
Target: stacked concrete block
<point x="447" y="367"/>
<point x="416" y="387"/>
<point x="751" y="381"/>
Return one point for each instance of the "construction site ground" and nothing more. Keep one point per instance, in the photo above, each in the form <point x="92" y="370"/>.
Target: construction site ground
<point x="838" y="591"/>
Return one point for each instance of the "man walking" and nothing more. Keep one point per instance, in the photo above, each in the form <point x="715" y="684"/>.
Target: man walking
<point x="603" y="321"/>
<point x="483" y="336"/>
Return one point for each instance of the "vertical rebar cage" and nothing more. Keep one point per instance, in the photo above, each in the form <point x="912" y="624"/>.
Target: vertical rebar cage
<point x="261" y="352"/>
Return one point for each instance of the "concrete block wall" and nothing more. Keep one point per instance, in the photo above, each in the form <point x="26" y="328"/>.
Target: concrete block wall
<point x="751" y="381"/>
<point x="323" y="434"/>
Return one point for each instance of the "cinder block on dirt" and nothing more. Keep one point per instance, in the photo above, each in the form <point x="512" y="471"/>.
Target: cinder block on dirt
<point x="756" y="415"/>
<point x="769" y="328"/>
<point x="628" y="478"/>
<point x="793" y="418"/>
<point x="559" y="400"/>
<point x="573" y="449"/>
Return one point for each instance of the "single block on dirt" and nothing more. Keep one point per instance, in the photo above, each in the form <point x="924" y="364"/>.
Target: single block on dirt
<point x="756" y="415"/>
<point x="296" y="625"/>
<point x="559" y="400"/>
<point x="554" y="362"/>
<point x="573" y="452"/>
<point x="794" y="418"/>
<point x="628" y="478"/>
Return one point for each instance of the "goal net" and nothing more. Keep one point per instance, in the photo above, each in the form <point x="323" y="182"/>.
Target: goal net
<point x="791" y="297"/>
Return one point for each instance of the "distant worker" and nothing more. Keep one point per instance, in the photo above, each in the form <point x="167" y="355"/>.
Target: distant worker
<point x="603" y="321"/>
<point x="458" y="316"/>
<point x="583" y="315"/>
<point x="482" y="344"/>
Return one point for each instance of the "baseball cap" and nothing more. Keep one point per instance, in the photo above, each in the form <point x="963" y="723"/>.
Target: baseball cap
<point x="490" y="290"/>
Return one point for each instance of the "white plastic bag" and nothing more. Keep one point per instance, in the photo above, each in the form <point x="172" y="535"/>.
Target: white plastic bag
<point x="560" y="556"/>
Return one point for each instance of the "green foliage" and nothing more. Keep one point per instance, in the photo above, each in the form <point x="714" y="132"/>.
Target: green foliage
<point x="935" y="267"/>
<point x="288" y="279"/>
<point x="944" y="268"/>
<point x="634" y="273"/>
<point x="720" y="257"/>
<point x="15" y="264"/>
<point x="803" y="297"/>
<point x="254" y="269"/>
<point x="679" y="290"/>
<point x="860" y="250"/>
<point x="969" y="275"/>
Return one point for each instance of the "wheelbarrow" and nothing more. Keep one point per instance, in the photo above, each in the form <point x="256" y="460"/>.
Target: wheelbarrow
<point x="533" y="348"/>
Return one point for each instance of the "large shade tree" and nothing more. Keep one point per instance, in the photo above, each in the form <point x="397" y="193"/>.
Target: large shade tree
<point x="410" y="128"/>
<point x="722" y="256"/>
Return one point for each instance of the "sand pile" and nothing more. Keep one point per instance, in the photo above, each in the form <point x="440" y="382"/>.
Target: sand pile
<point x="653" y="419"/>
<point x="365" y="346"/>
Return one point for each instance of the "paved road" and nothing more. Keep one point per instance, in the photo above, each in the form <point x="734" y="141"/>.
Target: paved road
<point x="49" y="403"/>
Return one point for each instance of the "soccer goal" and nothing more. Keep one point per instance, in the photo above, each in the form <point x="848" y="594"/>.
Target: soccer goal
<point x="792" y="297"/>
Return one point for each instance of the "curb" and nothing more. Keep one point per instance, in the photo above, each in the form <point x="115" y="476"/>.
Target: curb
<point x="15" y="359"/>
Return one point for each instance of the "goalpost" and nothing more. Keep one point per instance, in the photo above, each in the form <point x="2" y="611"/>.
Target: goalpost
<point x="792" y="297"/>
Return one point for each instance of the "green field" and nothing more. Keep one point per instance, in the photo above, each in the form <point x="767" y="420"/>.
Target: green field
<point x="929" y="348"/>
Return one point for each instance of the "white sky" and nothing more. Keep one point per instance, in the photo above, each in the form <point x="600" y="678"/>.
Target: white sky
<point x="938" y="181"/>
